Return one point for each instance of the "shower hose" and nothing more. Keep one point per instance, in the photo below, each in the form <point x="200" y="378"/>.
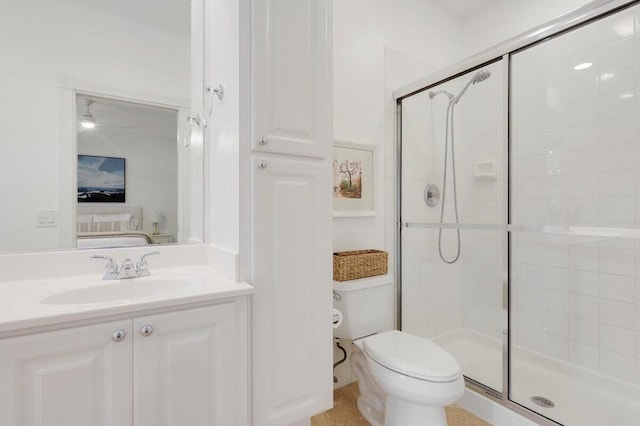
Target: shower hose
<point x="449" y="131"/>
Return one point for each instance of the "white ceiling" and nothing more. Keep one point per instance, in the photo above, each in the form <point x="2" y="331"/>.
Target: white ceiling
<point x="135" y="121"/>
<point x="168" y="15"/>
<point x="464" y="9"/>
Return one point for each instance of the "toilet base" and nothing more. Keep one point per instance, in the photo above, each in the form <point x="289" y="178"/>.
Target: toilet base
<point x="373" y="414"/>
<point x="371" y="398"/>
<point x="406" y="413"/>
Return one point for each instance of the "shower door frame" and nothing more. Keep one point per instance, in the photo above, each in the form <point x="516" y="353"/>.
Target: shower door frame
<point x="568" y="22"/>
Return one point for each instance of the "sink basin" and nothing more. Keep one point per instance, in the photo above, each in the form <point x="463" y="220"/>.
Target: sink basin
<point x="120" y="290"/>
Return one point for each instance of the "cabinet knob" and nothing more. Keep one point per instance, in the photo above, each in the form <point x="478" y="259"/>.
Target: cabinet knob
<point x="262" y="164"/>
<point x="118" y="335"/>
<point x="146" y="330"/>
<point x="263" y="141"/>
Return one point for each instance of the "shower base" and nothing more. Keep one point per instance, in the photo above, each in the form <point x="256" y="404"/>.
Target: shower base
<point x="581" y="397"/>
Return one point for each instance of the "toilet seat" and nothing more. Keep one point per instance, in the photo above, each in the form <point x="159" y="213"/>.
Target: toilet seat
<point x="412" y="356"/>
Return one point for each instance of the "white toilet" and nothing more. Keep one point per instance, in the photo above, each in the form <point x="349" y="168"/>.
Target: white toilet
<point x="404" y="380"/>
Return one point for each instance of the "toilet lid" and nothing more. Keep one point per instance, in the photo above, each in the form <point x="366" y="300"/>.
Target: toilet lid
<point x="412" y="356"/>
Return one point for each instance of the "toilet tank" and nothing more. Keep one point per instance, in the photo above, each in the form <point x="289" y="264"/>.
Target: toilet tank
<point x="366" y="304"/>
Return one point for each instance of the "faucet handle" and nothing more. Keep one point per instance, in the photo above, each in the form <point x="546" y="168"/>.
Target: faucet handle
<point x="141" y="265"/>
<point x="111" y="267"/>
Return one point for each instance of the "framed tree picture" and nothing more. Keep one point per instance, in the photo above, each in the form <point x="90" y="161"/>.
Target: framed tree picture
<point x="353" y="180"/>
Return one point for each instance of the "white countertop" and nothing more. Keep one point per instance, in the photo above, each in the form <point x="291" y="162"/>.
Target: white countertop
<point x="22" y="303"/>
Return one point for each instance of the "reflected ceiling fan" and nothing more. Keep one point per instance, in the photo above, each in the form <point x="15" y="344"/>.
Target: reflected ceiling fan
<point x="88" y="121"/>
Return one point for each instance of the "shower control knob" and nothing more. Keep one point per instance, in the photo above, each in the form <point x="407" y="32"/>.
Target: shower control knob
<point x="146" y="330"/>
<point x="431" y="195"/>
<point x="118" y="335"/>
<point x="263" y="141"/>
<point x="262" y="164"/>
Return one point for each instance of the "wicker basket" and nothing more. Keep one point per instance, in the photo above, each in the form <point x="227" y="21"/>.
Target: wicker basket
<point x="351" y="265"/>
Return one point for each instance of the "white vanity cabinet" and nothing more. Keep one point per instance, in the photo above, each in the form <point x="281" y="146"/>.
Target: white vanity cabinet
<point x="74" y="377"/>
<point x="291" y="210"/>
<point x="184" y="368"/>
<point x="176" y="368"/>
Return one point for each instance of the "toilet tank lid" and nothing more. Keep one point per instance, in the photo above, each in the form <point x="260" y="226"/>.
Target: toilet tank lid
<point x="362" y="283"/>
<point x="412" y="356"/>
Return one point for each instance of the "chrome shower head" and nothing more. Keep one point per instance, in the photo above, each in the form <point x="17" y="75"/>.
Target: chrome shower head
<point x="480" y="76"/>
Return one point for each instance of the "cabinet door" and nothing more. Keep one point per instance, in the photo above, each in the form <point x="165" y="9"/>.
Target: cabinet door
<point x="292" y="68"/>
<point x="73" y="377"/>
<point x="184" y="370"/>
<point x="292" y="356"/>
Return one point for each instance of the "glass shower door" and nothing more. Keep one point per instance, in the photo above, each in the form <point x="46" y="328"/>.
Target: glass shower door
<point x="575" y="247"/>
<point x="453" y="261"/>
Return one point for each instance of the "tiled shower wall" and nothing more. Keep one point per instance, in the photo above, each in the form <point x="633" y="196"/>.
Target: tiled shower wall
<point x="437" y="297"/>
<point x="576" y="167"/>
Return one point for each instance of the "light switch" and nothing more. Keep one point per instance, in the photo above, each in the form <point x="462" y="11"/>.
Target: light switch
<point x="46" y="218"/>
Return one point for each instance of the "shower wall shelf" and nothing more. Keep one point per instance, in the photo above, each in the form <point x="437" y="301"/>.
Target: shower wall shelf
<point x="485" y="171"/>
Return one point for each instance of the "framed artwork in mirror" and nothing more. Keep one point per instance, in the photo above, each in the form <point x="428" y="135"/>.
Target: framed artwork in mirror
<point x="101" y="179"/>
<point x="353" y="180"/>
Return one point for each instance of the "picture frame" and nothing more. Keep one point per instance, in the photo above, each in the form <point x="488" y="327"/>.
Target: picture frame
<point x="353" y="182"/>
<point x="101" y="179"/>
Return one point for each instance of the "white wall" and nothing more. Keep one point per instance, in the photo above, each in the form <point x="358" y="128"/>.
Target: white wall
<point x="502" y="20"/>
<point x="48" y="47"/>
<point x="378" y="46"/>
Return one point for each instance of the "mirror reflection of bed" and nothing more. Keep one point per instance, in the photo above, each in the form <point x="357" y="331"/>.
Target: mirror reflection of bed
<point x="111" y="226"/>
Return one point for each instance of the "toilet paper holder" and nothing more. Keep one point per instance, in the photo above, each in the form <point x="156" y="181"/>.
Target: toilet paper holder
<point x="337" y="318"/>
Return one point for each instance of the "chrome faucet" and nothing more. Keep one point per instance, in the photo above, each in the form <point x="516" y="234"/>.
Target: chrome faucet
<point x="128" y="269"/>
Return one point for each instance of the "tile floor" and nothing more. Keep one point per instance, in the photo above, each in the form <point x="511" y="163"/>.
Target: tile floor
<point x="345" y="412"/>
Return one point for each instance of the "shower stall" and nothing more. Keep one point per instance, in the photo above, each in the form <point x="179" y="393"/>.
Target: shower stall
<point x="519" y="213"/>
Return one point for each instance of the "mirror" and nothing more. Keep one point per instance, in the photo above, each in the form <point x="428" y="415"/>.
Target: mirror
<point x="97" y="147"/>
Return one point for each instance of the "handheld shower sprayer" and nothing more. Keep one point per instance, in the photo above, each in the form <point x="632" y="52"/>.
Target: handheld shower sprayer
<point x="478" y="77"/>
